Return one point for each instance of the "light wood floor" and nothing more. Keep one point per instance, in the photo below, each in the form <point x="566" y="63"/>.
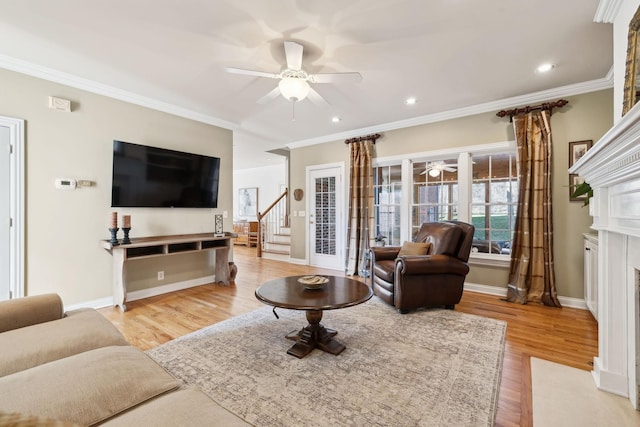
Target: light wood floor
<point x="567" y="336"/>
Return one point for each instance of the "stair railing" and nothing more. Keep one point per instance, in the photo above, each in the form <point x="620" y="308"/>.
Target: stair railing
<point x="272" y="220"/>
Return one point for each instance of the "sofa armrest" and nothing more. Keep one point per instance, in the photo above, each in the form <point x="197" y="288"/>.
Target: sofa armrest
<point x="27" y="311"/>
<point x="381" y="253"/>
<point x="431" y="264"/>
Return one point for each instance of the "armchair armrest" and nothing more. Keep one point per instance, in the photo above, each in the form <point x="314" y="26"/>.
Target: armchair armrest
<point x="27" y="311"/>
<point x="381" y="253"/>
<point x="431" y="264"/>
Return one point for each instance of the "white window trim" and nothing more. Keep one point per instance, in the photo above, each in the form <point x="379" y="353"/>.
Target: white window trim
<point x="465" y="155"/>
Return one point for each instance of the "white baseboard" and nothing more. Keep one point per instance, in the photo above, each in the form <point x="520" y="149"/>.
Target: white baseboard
<point x="158" y="290"/>
<point x="298" y="261"/>
<point x="172" y="287"/>
<point x="96" y="303"/>
<point x="144" y="293"/>
<point x="502" y="292"/>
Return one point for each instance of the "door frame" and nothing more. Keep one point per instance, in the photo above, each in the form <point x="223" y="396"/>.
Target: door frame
<point x="342" y="218"/>
<point x="16" y="204"/>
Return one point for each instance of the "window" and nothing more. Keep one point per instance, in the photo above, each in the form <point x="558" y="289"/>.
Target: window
<point x="475" y="184"/>
<point x="387" y="184"/>
<point x="434" y="192"/>
<point x="494" y="197"/>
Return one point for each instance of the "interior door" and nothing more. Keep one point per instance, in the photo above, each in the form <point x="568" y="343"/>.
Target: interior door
<point x="326" y="217"/>
<point x="5" y="213"/>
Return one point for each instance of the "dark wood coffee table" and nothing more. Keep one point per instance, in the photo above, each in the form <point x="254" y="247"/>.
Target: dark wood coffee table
<point x="338" y="292"/>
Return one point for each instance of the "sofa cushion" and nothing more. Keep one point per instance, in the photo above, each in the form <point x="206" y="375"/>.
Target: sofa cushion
<point x="184" y="408"/>
<point x="86" y="388"/>
<point x="81" y="330"/>
<point x="15" y="419"/>
<point x="414" y="248"/>
<point x="21" y="312"/>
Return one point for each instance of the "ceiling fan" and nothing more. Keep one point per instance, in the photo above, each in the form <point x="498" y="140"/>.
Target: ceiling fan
<point x="294" y="81"/>
<point x="435" y="168"/>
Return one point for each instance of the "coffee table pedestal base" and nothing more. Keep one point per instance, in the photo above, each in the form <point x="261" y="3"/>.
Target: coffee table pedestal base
<point x="314" y="335"/>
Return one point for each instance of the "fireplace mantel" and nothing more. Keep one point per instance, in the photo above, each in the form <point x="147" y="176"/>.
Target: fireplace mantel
<point x="612" y="168"/>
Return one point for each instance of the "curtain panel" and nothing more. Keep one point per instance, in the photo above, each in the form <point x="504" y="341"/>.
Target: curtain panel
<point x="531" y="271"/>
<point x="361" y="213"/>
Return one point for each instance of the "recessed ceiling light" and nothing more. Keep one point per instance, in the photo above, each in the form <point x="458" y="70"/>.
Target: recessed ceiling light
<point x="545" y="67"/>
<point x="336" y="119"/>
<point x="410" y="101"/>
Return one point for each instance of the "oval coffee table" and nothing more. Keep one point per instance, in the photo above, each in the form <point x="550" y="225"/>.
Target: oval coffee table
<point x="338" y="292"/>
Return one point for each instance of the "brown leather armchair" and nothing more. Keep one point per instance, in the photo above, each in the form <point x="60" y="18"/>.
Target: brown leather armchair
<point x="436" y="279"/>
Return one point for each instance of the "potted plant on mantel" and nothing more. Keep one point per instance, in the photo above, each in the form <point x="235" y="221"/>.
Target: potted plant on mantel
<point x="583" y="189"/>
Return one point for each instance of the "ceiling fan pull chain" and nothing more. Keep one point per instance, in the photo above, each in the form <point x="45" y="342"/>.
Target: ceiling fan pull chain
<point x="293" y="111"/>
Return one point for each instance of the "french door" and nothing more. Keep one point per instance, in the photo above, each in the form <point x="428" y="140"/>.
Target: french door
<point x="326" y="216"/>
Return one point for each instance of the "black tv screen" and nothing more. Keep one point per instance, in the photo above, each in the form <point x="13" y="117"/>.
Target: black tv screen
<point x="151" y="177"/>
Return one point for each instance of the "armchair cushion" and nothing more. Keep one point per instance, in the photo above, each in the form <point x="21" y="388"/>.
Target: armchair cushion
<point x="414" y="248"/>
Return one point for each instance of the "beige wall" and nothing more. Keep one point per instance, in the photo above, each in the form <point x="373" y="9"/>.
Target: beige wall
<point x="587" y="116"/>
<point x="63" y="228"/>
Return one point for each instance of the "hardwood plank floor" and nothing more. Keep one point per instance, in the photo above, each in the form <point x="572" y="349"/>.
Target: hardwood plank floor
<point x="567" y="336"/>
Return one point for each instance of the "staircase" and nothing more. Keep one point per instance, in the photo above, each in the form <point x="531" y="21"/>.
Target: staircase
<point x="274" y="234"/>
<point x="278" y="247"/>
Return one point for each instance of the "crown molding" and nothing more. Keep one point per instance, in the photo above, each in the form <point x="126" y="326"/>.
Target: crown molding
<point x="607" y="11"/>
<point x="562" y="91"/>
<point x="34" y="70"/>
<point x="67" y="79"/>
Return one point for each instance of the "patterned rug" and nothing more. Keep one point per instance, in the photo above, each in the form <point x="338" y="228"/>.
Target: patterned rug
<point x="427" y="368"/>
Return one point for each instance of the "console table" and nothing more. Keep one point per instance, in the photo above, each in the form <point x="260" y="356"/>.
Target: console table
<point x="148" y="247"/>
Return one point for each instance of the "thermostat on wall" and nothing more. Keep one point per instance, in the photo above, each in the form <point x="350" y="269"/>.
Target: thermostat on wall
<point x="65" y="184"/>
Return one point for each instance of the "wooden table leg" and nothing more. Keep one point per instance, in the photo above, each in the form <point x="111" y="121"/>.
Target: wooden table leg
<point x="314" y="335"/>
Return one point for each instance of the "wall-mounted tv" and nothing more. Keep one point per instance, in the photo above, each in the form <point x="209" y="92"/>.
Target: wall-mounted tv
<point x="151" y="177"/>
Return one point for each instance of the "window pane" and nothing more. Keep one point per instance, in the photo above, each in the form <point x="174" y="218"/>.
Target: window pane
<point x="493" y="204"/>
<point x="387" y="199"/>
<point x="434" y="192"/>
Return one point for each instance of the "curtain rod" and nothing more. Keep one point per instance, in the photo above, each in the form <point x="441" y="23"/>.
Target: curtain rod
<point x="544" y="106"/>
<point x="372" y="137"/>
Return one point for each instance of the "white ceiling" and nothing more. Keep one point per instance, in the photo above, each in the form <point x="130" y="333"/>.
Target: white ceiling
<point x="449" y="54"/>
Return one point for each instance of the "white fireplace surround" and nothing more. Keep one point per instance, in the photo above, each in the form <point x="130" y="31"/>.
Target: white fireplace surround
<point x="612" y="168"/>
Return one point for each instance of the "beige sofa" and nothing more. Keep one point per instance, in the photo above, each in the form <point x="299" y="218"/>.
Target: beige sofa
<point x="77" y="368"/>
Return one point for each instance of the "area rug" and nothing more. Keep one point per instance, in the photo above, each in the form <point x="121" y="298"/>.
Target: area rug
<point x="427" y="368"/>
<point x="566" y="396"/>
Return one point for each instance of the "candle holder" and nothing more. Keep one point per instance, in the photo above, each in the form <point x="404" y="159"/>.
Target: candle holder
<point x="126" y="240"/>
<point x="114" y="236"/>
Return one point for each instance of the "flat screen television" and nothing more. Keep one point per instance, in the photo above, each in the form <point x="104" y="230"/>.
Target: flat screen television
<point x="151" y="177"/>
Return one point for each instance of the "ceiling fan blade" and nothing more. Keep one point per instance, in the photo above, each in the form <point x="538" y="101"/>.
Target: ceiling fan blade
<point x="335" y="77"/>
<point x="426" y="170"/>
<point x="256" y="73"/>
<point x="293" y="52"/>
<point x="316" y="98"/>
<point x="448" y="169"/>
<point x="269" y="96"/>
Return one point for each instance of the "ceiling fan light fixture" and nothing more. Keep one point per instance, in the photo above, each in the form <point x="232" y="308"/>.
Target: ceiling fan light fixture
<point x="294" y="88"/>
<point x="434" y="172"/>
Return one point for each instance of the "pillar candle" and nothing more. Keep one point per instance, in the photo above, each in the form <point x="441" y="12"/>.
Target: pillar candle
<point x="126" y="221"/>
<point x="114" y="220"/>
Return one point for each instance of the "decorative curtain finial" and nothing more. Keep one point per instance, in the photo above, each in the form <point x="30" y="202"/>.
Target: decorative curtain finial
<point x="371" y="137"/>
<point x="529" y="108"/>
